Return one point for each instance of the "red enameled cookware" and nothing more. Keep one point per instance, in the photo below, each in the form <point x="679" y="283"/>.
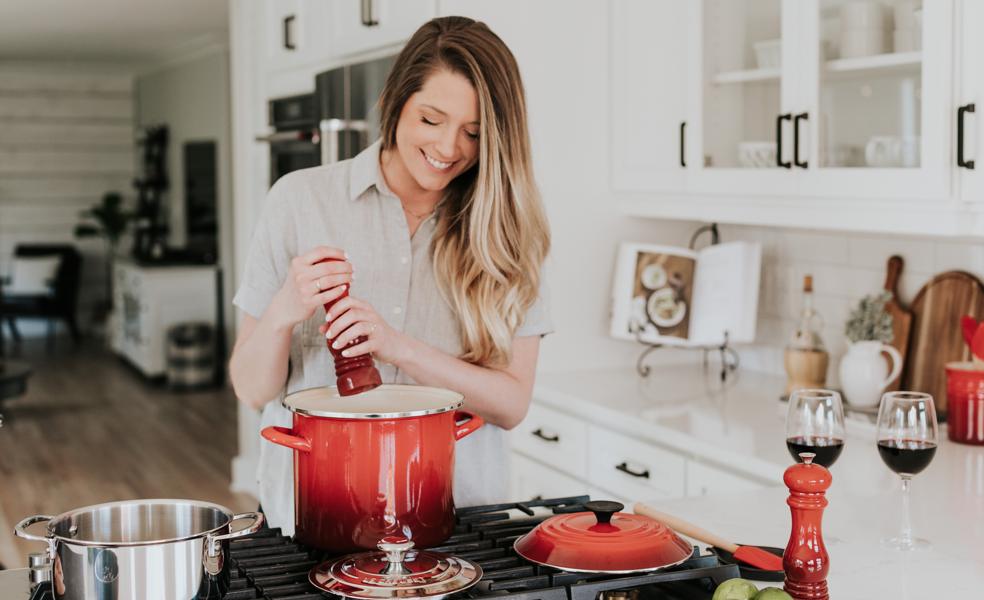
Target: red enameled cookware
<point x="603" y="541"/>
<point x="373" y="465"/>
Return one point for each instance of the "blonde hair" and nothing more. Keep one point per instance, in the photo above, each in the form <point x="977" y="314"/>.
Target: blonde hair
<point x="492" y="234"/>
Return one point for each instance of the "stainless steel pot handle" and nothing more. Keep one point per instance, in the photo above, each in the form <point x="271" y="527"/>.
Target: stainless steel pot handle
<point x="20" y="530"/>
<point x="214" y="559"/>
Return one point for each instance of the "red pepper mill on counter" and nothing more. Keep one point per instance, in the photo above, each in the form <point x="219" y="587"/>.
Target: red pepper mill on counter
<point x="805" y="560"/>
<point x="353" y="374"/>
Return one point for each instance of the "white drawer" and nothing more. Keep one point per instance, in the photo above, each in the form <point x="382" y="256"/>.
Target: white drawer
<point x="632" y="469"/>
<point x="531" y="479"/>
<point x="553" y="438"/>
<point x="704" y="479"/>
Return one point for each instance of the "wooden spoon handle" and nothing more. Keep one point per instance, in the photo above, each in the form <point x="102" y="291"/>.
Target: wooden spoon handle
<point x="686" y="528"/>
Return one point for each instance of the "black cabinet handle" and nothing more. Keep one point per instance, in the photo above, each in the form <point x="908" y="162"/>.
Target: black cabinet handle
<point x="683" y="154"/>
<point x="779" y="120"/>
<point x="796" y="139"/>
<point x="624" y="467"/>
<point x="546" y="438"/>
<point x="368" y="18"/>
<point x="961" y="162"/>
<point x="288" y="29"/>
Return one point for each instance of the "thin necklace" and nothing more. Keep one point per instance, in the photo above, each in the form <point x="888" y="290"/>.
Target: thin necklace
<point x="415" y="215"/>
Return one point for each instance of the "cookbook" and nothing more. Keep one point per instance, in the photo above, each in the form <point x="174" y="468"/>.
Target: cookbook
<point x="681" y="297"/>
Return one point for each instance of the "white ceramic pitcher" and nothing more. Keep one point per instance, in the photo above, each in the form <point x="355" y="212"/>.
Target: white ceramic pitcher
<point x="863" y="373"/>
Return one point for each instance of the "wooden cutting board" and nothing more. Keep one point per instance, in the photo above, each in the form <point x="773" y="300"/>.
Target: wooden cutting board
<point x="901" y="316"/>
<point x="936" y="337"/>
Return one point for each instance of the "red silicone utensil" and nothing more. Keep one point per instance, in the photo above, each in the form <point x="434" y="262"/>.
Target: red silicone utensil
<point x="751" y="555"/>
<point x="968" y="325"/>
<point x="977" y="344"/>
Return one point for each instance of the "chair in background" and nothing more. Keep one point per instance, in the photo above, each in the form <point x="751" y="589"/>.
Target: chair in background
<point x="57" y="300"/>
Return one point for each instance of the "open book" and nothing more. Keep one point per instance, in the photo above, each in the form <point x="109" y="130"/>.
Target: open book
<point x="676" y="296"/>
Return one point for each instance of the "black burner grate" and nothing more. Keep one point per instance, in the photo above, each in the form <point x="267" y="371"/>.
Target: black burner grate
<point x="271" y="566"/>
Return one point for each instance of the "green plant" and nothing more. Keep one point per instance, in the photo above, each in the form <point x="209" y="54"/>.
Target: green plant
<point x="869" y="321"/>
<point x="109" y="221"/>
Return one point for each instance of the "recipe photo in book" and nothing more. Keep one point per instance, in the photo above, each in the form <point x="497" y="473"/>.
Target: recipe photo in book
<point x="676" y="296"/>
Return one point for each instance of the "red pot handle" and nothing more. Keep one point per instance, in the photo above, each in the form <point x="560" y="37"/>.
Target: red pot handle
<point x="285" y="437"/>
<point x="470" y="426"/>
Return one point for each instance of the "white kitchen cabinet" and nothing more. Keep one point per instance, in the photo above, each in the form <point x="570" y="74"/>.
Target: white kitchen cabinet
<point x="787" y="125"/>
<point x="296" y="33"/>
<point x="362" y="25"/>
<point x="705" y="480"/>
<point x="969" y="102"/>
<point x="631" y="468"/>
<point x="554" y="438"/>
<point x="649" y="97"/>
<point x="533" y="479"/>
<point x="147" y="300"/>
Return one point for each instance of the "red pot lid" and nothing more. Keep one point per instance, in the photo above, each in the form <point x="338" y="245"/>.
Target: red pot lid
<point x="603" y="540"/>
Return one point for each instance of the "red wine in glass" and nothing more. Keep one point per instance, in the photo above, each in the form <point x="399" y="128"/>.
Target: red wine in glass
<point x="827" y="449"/>
<point x="906" y="457"/>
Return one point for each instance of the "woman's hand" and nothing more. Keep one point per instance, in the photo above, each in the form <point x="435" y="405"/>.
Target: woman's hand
<point x="351" y="318"/>
<point x="309" y="285"/>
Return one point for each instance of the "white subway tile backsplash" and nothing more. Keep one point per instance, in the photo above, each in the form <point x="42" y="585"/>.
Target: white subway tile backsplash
<point x="874" y="251"/>
<point x="965" y="256"/>
<point x="845" y="267"/>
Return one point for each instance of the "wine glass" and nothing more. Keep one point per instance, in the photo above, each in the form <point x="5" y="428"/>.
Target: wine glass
<point x="907" y="437"/>
<point x="815" y="423"/>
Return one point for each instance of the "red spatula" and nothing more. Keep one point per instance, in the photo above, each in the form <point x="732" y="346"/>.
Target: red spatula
<point x="751" y="555"/>
<point x="968" y="325"/>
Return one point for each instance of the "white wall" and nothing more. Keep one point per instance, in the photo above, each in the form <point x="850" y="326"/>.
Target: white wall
<point x="192" y="99"/>
<point x="66" y="138"/>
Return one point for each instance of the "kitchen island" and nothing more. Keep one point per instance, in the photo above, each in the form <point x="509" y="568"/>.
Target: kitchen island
<point x="739" y="426"/>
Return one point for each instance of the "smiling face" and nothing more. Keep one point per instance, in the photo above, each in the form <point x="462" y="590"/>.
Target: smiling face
<point x="437" y="134"/>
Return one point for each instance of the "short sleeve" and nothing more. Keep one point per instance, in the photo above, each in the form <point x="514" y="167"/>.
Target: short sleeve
<point x="537" y="320"/>
<point x="270" y="251"/>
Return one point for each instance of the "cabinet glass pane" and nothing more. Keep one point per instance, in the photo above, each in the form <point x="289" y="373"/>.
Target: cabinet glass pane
<point x="870" y="83"/>
<point x="741" y="83"/>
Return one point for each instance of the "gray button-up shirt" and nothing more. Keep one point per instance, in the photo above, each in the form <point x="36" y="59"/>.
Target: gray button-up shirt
<point x="348" y="205"/>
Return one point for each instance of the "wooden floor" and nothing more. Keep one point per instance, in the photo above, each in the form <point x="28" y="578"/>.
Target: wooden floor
<point x="91" y="430"/>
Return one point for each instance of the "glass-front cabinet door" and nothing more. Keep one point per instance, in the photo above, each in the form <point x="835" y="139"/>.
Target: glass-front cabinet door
<point x="745" y="87"/>
<point x="876" y="114"/>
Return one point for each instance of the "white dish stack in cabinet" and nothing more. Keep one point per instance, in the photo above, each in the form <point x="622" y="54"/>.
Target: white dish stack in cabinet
<point x="557" y="454"/>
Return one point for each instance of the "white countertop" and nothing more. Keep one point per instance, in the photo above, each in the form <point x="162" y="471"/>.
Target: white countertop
<point x="740" y="425"/>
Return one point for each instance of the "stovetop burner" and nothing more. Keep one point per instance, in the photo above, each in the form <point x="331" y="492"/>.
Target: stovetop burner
<point x="271" y="566"/>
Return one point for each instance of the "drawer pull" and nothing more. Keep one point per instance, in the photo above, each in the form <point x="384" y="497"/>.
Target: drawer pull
<point x="624" y="467"/>
<point x="546" y="437"/>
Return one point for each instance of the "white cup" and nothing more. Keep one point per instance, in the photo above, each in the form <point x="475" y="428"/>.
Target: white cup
<point x="862" y="42"/>
<point x="905" y="14"/>
<point x="863" y="15"/>
<point x="883" y="151"/>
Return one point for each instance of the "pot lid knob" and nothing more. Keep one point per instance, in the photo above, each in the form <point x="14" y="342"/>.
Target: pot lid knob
<point x="395" y="547"/>
<point x="604" y="509"/>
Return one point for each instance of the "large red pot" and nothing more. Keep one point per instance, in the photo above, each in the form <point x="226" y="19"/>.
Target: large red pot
<point x="372" y="465"/>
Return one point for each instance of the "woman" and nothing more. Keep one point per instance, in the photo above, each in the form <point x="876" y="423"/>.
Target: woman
<point x="439" y="230"/>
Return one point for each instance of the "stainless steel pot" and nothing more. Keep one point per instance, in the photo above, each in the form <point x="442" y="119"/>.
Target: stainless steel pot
<point x="140" y="549"/>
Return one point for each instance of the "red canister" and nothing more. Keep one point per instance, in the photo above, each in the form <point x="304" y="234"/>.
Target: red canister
<point x="965" y="402"/>
<point x="373" y="465"/>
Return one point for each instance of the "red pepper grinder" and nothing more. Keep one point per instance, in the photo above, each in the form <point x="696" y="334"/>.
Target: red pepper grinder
<point x="805" y="560"/>
<point x="353" y="374"/>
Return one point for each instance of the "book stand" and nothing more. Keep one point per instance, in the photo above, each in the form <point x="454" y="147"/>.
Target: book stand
<point x="729" y="356"/>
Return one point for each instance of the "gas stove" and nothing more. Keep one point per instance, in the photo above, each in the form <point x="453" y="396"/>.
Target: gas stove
<point x="271" y="566"/>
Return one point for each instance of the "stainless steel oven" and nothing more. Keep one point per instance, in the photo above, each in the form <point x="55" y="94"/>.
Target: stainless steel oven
<point x="295" y="142"/>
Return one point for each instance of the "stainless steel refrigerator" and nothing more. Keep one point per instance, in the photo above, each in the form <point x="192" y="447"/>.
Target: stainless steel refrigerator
<point x="348" y="108"/>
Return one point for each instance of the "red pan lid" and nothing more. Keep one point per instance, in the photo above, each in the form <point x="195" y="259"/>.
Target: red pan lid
<point x="603" y="540"/>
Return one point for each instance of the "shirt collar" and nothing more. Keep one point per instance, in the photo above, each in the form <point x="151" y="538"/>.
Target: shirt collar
<point x="365" y="172"/>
